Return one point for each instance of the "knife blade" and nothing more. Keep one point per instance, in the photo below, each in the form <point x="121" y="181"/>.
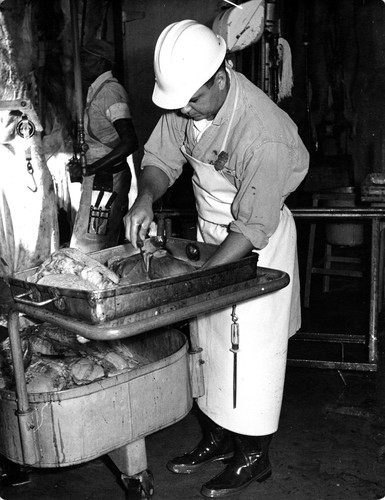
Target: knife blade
<point x="140" y="245"/>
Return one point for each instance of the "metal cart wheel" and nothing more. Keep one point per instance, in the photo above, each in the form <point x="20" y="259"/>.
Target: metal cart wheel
<point x="140" y="486"/>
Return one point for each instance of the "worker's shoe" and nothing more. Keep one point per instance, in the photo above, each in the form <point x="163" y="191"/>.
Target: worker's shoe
<point x="216" y="444"/>
<point x="250" y="463"/>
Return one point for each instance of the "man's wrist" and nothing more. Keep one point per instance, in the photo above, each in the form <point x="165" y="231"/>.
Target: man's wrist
<point x="145" y="198"/>
<point x="91" y="169"/>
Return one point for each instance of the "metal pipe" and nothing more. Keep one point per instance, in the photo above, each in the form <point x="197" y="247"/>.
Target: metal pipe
<point x="269" y="55"/>
<point x="333" y="365"/>
<point x="25" y="413"/>
<point x="342" y="213"/>
<point x="78" y="85"/>
<point x="374" y="288"/>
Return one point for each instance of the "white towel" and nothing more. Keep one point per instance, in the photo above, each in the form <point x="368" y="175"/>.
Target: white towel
<point x="285" y="78"/>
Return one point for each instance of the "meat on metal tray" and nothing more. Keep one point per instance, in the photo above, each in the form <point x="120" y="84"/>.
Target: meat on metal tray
<point x="99" y="306"/>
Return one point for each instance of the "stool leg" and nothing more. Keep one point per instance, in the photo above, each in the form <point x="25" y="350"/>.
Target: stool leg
<point x="374" y="286"/>
<point x="168" y="227"/>
<point x="309" y="265"/>
<point x="327" y="265"/>
<point x="381" y="293"/>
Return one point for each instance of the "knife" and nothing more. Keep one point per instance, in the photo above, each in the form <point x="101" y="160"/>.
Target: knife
<point x="111" y="200"/>
<point x="94" y="217"/>
<point x="99" y="198"/>
<point x="140" y="245"/>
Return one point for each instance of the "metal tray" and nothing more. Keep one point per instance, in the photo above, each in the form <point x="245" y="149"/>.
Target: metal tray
<point x="96" y="307"/>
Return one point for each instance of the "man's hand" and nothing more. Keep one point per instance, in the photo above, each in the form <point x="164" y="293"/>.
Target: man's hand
<point x="76" y="171"/>
<point x="138" y="220"/>
<point x="152" y="184"/>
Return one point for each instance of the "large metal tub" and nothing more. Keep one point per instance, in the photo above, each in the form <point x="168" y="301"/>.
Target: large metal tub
<point x="80" y="424"/>
<point x="98" y="307"/>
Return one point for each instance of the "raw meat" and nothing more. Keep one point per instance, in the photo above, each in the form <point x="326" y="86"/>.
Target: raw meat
<point x="72" y="261"/>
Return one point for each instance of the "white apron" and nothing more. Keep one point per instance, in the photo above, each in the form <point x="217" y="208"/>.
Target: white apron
<point x="265" y="322"/>
<point x="84" y="236"/>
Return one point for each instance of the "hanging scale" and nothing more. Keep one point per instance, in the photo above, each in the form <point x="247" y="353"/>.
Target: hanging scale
<point x="26" y="129"/>
<point x="234" y="349"/>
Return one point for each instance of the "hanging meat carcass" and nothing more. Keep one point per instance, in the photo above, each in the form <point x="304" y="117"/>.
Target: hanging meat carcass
<point x="28" y="216"/>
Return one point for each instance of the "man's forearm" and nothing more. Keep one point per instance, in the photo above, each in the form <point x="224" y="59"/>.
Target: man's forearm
<point x="117" y="155"/>
<point x="234" y="247"/>
<point x="128" y="144"/>
<point x="152" y="184"/>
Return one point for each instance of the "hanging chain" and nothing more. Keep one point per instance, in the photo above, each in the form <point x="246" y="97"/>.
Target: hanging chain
<point x="30" y="169"/>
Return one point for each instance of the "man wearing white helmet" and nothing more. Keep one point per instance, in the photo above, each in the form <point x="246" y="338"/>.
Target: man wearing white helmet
<point x="247" y="158"/>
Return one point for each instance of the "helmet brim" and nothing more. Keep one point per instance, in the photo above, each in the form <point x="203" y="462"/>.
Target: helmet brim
<point x="170" y="100"/>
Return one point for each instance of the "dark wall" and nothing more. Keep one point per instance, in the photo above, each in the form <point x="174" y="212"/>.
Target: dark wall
<point x="339" y="71"/>
<point x="144" y="21"/>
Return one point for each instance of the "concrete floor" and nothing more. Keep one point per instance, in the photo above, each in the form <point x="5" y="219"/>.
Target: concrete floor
<point x="330" y="443"/>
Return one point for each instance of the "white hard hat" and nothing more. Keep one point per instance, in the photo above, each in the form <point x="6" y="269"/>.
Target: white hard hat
<point x="187" y="54"/>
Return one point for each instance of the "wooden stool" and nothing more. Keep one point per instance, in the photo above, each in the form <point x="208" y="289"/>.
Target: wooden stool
<point x="338" y="234"/>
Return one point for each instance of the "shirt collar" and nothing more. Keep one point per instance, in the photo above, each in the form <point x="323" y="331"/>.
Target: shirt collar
<point x="227" y="106"/>
<point x="100" y="79"/>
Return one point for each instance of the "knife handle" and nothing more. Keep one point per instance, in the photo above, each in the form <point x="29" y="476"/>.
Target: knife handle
<point x="111" y="200"/>
<point x="99" y="198"/>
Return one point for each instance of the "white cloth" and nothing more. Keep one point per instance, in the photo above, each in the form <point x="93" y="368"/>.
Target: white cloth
<point x="285" y="78"/>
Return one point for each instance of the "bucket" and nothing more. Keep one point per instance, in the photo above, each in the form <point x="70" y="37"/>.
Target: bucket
<point x="343" y="234"/>
<point x="79" y="424"/>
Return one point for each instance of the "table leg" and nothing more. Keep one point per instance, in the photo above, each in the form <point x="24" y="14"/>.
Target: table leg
<point x="131" y="458"/>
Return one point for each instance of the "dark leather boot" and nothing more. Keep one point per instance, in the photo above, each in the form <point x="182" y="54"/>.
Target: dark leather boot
<point x="216" y="444"/>
<point x="250" y="463"/>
